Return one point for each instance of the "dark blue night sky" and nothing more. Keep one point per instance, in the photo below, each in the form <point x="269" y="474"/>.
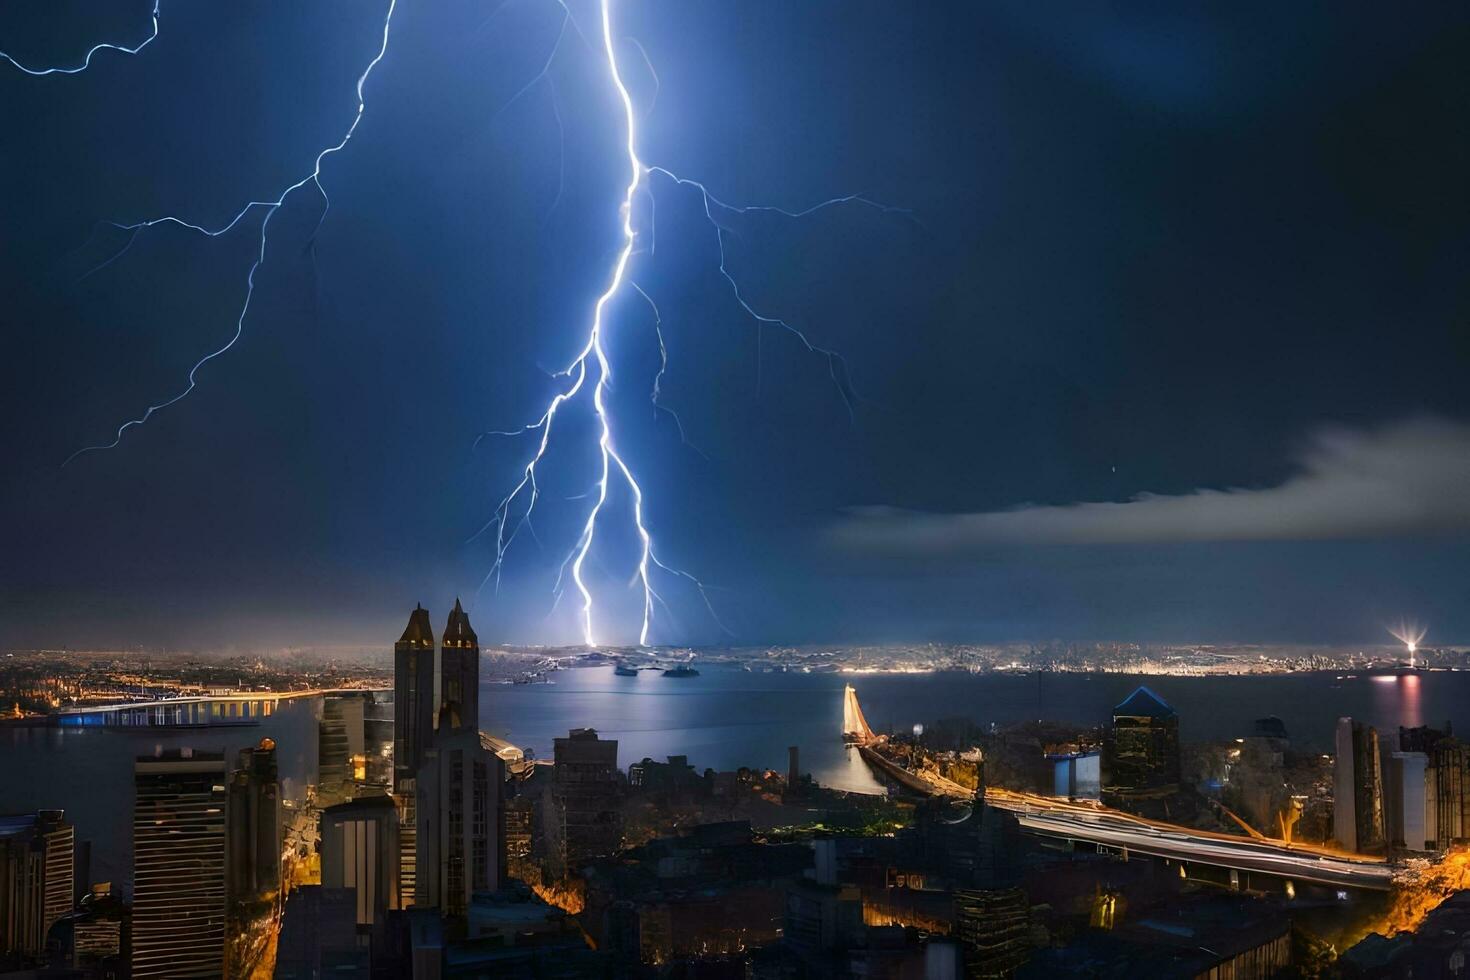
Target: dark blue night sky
<point x="1173" y="347"/>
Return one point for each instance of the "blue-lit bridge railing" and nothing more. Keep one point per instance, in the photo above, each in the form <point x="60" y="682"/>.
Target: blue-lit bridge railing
<point x="246" y="708"/>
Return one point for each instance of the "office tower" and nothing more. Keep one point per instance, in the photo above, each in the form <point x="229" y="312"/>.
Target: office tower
<point x="360" y="851"/>
<point x="179" y="865"/>
<point x="460" y="841"/>
<point x="1143" y="746"/>
<point x="414" y="704"/>
<point x="99" y="932"/>
<point x="377" y="734"/>
<point x="459" y="661"/>
<point x="819" y="920"/>
<point x="1357" y="808"/>
<point x="517" y="814"/>
<point x="994" y="927"/>
<point x="36" y="872"/>
<point x="319" y="937"/>
<point x="1447" y="783"/>
<point x="254" y="821"/>
<point x="340" y="761"/>
<point x="414" y="700"/>
<point x="583" y="816"/>
<point x="1405" y="800"/>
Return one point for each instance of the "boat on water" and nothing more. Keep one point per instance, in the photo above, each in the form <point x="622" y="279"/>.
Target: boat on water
<point x="683" y="670"/>
<point x="623" y="670"/>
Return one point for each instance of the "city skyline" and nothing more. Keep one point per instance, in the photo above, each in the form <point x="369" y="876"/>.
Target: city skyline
<point x="648" y="490"/>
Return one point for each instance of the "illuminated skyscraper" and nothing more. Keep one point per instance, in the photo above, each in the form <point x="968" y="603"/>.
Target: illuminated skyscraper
<point x="255" y="833"/>
<point x="460" y="833"/>
<point x="179" y="865"/>
<point x="36" y="871"/>
<point x="414" y="700"/>
<point x="459" y="660"/>
<point x="360" y="851"/>
<point x="1357" y="814"/>
<point x="414" y="704"/>
<point x="340" y="747"/>
<point x="582" y="816"/>
<point x="1446" y="782"/>
<point x="446" y="782"/>
<point x="1142" y="749"/>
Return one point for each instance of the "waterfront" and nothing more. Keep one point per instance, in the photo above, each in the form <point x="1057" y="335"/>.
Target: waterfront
<point x="725" y="718"/>
<point x="88" y="772"/>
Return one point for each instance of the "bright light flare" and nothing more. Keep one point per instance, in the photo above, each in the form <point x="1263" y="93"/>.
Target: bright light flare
<point x="1409" y="633"/>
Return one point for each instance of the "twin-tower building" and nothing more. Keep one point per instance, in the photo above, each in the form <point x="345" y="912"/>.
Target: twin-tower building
<point x="446" y="782"/>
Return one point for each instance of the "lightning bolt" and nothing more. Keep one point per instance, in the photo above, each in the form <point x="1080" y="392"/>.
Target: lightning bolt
<point x="591" y="363"/>
<point x="87" y="59"/>
<point x="590" y="369"/>
<point x="269" y="209"/>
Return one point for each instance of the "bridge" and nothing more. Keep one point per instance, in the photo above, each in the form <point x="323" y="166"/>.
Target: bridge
<point x="1089" y="822"/>
<point x="206" y="710"/>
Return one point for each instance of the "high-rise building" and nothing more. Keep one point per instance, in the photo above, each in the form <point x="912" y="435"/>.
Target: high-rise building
<point x="436" y="714"/>
<point x="1142" y="748"/>
<point x="360" y="851"/>
<point x="1405" y="800"/>
<point x="179" y="865"/>
<point x="319" y="937"/>
<point x="994" y="927"/>
<point x="341" y="747"/>
<point x="1357" y="808"/>
<point x="36" y="872"/>
<point x="254" y="820"/>
<point x="581" y="812"/>
<point x="459" y="660"/>
<point x="460" y="840"/>
<point x="98" y="934"/>
<point x="1446" y="783"/>
<point x="414" y="699"/>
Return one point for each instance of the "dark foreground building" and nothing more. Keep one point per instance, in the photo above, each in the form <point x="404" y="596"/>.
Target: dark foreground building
<point x="179" y="865"/>
<point x="36" y="880"/>
<point x="1141" y="756"/>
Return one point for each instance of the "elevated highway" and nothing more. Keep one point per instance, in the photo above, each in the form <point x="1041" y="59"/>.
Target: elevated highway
<point x="1092" y="823"/>
<point x="1096" y="824"/>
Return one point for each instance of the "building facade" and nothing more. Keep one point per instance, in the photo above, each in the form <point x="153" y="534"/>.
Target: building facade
<point x="341" y="747"/>
<point x="255" y="830"/>
<point x="460" y="834"/>
<point x="360" y="851"/>
<point x="179" y="865"/>
<point x="459" y="664"/>
<point x="414" y="701"/>
<point x="1357" y="809"/>
<point x="1446" y="783"/>
<point x="581" y="809"/>
<point x="36" y="879"/>
<point x="1142" y="747"/>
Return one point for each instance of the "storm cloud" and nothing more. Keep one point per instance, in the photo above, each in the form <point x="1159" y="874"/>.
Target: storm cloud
<point x="1406" y="478"/>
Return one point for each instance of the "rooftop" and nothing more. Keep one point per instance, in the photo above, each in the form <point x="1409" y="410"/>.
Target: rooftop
<point x="1144" y="703"/>
<point x="418" y="633"/>
<point x="457" y="632"/>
